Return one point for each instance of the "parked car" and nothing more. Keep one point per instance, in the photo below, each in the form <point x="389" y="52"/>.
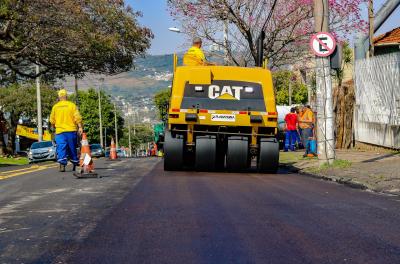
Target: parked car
<point x="42" y="151"/>
<point x="121" y="153"/>
<point x="97" y="151"/>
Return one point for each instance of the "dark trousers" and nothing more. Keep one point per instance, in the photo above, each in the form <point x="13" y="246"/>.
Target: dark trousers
<point x="306" y="134"/>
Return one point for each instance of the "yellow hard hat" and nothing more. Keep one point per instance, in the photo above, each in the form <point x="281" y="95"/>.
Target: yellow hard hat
<point x="62" y="93"/>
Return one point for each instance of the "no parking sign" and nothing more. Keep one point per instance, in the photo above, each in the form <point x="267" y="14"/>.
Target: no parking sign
<point x="323" y="44"/>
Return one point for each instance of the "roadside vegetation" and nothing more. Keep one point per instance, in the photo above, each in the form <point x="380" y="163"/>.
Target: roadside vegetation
<point x="337" y="164"/>
<point x="161" y="100"/>
<point x="89" y="109"/>
<point x="10" y="161"/>
<point x="63" y="38"/>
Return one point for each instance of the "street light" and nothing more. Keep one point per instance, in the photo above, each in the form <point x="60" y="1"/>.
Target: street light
<point x="174" y="29"/>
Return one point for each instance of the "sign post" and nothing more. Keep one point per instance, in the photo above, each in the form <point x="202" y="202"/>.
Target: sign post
<point x="323" y="44"/>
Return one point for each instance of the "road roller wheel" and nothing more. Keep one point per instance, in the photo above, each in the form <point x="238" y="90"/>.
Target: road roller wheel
<point x="237" y="154"/>
<point x="268" y="158"/>
<point x="206" y="153"/>
<point x="173" y="152"/>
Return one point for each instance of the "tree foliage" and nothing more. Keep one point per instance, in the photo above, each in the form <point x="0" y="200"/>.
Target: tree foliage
<point x="282" y="80"/>
<point x="89" y="109"/>
<point x="287" y="24"/>
<point x="19" y="101"/>
<point x="140" y="134"/>
<point x="347" y="59"/>
<point x="69" y="37"/>
<point x="161" y="100"/>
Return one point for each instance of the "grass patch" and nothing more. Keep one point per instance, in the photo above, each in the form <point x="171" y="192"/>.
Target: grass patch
<point x="290" y="157"/>
<point x="337" y="164"/>
<point x="5" y="161"/>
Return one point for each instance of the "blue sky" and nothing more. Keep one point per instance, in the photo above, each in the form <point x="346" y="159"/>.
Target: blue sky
<point x="157" y="18"/>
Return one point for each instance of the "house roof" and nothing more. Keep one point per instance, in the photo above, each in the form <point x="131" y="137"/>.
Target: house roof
<point x="388" y="38"/>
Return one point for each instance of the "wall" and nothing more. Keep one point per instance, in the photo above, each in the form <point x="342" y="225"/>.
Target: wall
<point x="377" y="111"/>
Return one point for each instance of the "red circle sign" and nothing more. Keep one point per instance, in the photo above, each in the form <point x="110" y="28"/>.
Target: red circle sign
<point x="323" y="44"/>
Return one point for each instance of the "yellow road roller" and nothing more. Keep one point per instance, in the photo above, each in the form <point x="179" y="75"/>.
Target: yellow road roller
<point x="221" y="118"/>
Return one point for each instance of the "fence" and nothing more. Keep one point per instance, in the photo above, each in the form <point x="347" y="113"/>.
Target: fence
<point x="377" y="111"/>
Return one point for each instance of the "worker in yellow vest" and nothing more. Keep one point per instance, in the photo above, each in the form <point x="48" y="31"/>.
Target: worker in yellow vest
<point x="67" y="120"/>
<point x="195" y="55"/>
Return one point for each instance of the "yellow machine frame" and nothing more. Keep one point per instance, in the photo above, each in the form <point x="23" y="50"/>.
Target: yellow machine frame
<point x="204" y="75"/>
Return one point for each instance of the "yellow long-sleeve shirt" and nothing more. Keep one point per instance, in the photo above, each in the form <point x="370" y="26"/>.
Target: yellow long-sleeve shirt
<point x="194" y="57"/>
<point x="65" y="117"/>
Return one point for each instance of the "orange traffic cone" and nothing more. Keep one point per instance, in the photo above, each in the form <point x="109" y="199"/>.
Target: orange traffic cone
<point x="113" y="150"/>
<point x="85" y="160"/>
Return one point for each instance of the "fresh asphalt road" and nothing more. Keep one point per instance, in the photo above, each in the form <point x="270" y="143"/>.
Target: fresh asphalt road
<point x="45" y="214"/>
<point x="141" y="214"/>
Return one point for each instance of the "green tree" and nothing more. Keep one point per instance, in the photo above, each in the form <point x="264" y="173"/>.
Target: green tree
<point x="347" y="59"/>
<point x="19" y="101"/>
<point x="89" y="109"/>
<point x="161" y="100"/>
<point x="69" y="37"/>
<point x="140" y="133"/>
<point x="281" y="80"/>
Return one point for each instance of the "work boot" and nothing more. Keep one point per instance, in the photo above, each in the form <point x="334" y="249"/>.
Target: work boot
<point x="73" y="167"/>
<point x="62" y="168"/>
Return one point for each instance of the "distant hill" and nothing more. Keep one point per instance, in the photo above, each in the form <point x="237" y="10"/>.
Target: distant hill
<point x="150" y="75"/>
<point x="134" y="91"/>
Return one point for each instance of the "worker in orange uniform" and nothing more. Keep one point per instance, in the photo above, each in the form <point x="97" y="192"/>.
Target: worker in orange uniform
<point x="67" y="120"/>
<point x="306" y="124"/>
<point x="195" y="55"/>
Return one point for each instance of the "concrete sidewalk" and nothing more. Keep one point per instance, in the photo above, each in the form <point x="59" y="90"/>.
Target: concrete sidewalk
<point x="373" y="170"/>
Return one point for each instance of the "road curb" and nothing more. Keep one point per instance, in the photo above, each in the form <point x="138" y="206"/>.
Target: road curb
<point x="347" y="182"/>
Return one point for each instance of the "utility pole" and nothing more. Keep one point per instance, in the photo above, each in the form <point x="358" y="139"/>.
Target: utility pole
<point x="325" y="135"/>
<point x="105" y="138"/>
<point x="290" y="92"/>
<point x="129" y="136"/>
<point x="134" y="123"/>
<point x="39" y="105"/>
<point x="116" y="126"/>
<point x="76" y="90"/>
<point x="226" y="59"/>
<point x="309" y="94"/>
<point x="371" y="27"/>
<point x="100" y="116"/>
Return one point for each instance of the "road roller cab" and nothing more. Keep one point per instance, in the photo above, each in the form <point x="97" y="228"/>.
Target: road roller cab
<point x="221" y="117"/>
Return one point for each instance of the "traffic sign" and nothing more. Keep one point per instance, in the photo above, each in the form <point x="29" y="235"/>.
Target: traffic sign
<point x="323" y="44"/>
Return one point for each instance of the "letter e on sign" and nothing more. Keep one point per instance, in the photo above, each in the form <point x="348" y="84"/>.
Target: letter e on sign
<point x="323" y="44"/>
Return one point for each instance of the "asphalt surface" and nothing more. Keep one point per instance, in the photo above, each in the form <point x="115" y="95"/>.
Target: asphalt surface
<point x="45" y="214"/>
<point x="190" y="217"/>
<point x="141" y="214"/>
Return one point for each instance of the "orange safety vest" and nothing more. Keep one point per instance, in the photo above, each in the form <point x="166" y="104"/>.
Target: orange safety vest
<point x="306" y="116"/>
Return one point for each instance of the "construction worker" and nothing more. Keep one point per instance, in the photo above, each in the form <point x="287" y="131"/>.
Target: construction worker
<point x="291" y="126"/>
<point x="67" y="120"/>
<point x="306" y="124"/>
<point x="195" y="55"/>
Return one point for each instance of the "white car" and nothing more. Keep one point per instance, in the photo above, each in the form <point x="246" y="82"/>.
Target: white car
<point x="42" y="151"/>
